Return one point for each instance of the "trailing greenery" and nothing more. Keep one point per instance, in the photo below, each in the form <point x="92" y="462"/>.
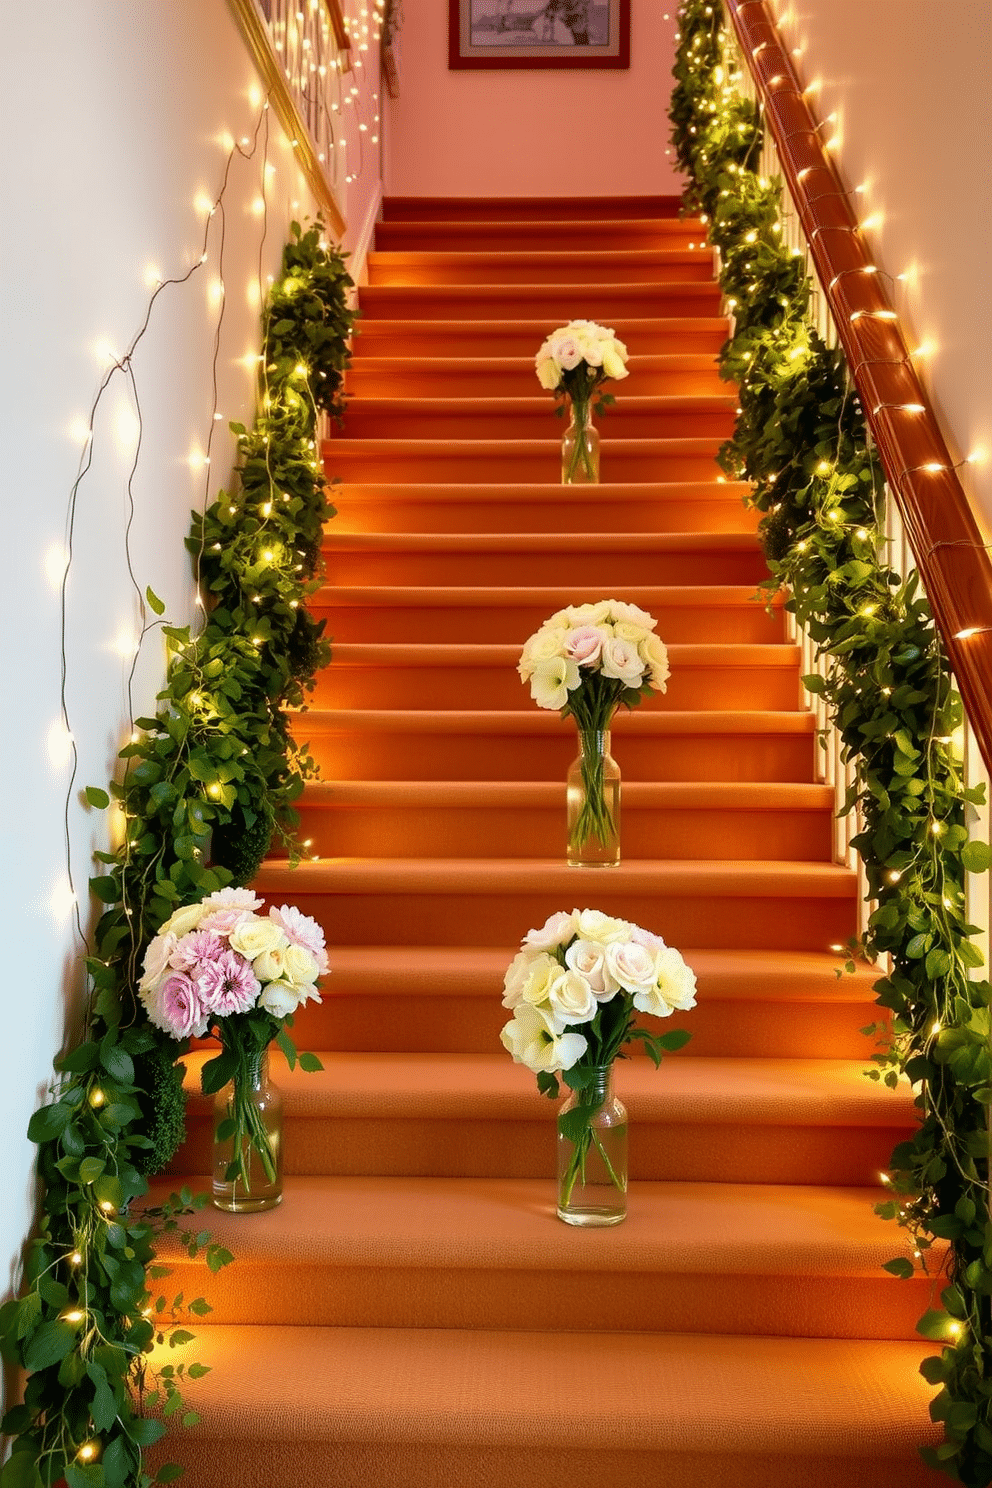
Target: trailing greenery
<point x="204" y="784"/>
<point x="800" y="441"/>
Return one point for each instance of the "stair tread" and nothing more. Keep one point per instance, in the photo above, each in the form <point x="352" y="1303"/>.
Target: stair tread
<point x="768" y="975"/>
<point x="502" y="654"/>
<point x="529" y="542"/>
<point x="558" y="596"/>
<point x="542" y="258"/>
<point x="456" y="794"/>
<point x="491" y="1087"/>
<point x="540" y="406"/>
<point x="485" y="449"/>
<point x="527" y="492"/>
<point x="542" y="721"/>
<point x="675" y="361"/>
<point x="764" y="1229"/>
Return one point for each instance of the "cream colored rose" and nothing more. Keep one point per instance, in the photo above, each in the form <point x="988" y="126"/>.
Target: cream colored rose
<point x="632" y="965"/>
<point x="516" y="975"/>
<point x="182" y="921"/>
<point x="300" y="965"/>
<point x="655" y="655"/>
<point x="593" y="924"/>
<point x="588" y="958"/>
<point x="674" y="986"/>
<point x="621" y="660"/>
<point x="536" y="985"/>
<point x="552" y="680"/>
<point x="156" y="961"/>
<point x="556" y="930"/>
<point x="590" y="614"/>
<point x="545" y="644"/>
<point x="626" y="630"/>
<point x="254" y="935"/>
<point x="631" y="614"/>
<point x="548" y="373"/>
<point x="279" y="999"/>
<point x="570" y="998"/>
<point x="613" y="359"/>
<point x="270" y="965"/>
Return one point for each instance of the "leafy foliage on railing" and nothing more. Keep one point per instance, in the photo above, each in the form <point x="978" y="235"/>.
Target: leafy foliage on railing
<point x="204" y="784"/>
<point x="801" y="441"/>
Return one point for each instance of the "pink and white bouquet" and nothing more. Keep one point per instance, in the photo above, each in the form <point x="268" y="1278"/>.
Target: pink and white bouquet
<point x="219" y="967"/>
<point x="575" y="988"/>
<point x="577" y="357"/>
<point x="585" y="661"/>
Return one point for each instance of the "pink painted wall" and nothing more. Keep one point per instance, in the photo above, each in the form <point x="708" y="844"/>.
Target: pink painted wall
<point x="552" y="132"/>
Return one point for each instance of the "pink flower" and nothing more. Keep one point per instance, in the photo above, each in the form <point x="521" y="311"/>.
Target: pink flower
<point x="228" y="984"/>
<point x="176" y="1007"/>
<point x="567" y="353"/>
<point x="223" y="921"/>
<point x="585" y="644"/>
<point x="556" y="931"/>
<point x="197" y="946"/>
<point x="300" y="929"/>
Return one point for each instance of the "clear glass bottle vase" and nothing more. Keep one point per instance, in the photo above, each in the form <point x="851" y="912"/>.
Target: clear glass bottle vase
<point x="593" y="803"/>
<point x="580" y="448"/>
<point x="247" y="1155"/>
<point x="592" y="1154"/>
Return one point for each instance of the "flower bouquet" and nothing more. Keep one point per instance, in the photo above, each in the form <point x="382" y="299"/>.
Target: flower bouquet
<point x="218" y="967"/>
<point x="585" y="661"/>
<point x="574" y="361"/>
<point x="575" y="988"/>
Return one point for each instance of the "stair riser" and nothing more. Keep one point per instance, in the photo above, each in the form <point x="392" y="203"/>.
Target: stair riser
<point x="649" y="336"/>
<point x="539" y="832"/>
<point x="374" y="377"/>
<point x="531" y="460"/>
<point x="551" y="512"/>
<point x="538" y="237"/>
<point x="435" y="421"/>
<point x="350" y="754"/>
<point x="669" y="266"/>
<point x="501" y="918"/>
<point x="385" y="1145"/>
<point x="549" y="211"/>
<point x="741" y="1028"/>
<point x="599" y="302"/>
<point x="766" y="688"/>
<point x="609" y="571"/>
<point x="364" y="1296"/>
<point x="511" y="625"/>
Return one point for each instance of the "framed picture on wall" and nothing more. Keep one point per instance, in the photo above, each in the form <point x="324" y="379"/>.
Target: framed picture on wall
<point x="539" y="33"/>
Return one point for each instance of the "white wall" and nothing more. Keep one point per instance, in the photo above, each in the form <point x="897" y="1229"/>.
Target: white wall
<point x="119" y="123"/>
<point x="909" y="82"/>
<point x="543" y="132"/>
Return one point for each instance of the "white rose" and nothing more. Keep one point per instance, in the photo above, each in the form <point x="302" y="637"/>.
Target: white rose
<point x="552" y="680"/>
<point x="279" y="999"/>
<point x="516" y="975"/>
<point x="156" y="960"/>
<point x="674" y="986"/>
<point x="593" y="924"/>
<point x="621" y="660"/>
<point x="270" y="965"/>
<point x="626" y="630"/>
<point x="589" y="614"/>
<point x="655" y="655"/>
<point x="631" y="614"/>
<point x="535" y="1039"/>
<point x="253" y="936"/>
<point x="545" y="644"/>
<point x="588" y="958"/>
<point x="556" y="930"/>
<point x="182" y="921"/>
<point x="536" y="985"/>
<point x="612" y="361"/>
<point x="633" y="965"/>
<point x="301" y="965"/>
<point x="591" y="348"/>
<point x="548" y="373"/>
<point x="567" y="352"/>
<point x="571" y="998"/>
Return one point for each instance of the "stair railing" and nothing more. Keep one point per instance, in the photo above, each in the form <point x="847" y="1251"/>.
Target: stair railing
<point x="928" y="522"/>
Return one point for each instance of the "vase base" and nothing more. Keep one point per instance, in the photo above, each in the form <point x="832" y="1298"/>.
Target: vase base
<point x="572" y="863"/>
<point x="591" y="1218"/>
<point x="243" y="1203"/>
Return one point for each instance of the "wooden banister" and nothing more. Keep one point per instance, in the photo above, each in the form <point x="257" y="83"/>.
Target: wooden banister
<point x="948" y="546"/>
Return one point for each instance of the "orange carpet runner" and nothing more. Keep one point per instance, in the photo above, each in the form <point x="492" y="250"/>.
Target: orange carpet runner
<point x="414" y="1314"/>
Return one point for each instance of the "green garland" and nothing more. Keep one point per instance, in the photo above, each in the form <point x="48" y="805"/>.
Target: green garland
<point x="800" y="441"/>
<point x="204" y="784"/>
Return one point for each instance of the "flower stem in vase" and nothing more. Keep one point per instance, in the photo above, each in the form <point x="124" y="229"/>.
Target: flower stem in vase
<point x="248" y="1138"/>
<point x="593" y="803"/>
<point x="592" y="1154"/>
<point x="580" y="447"/>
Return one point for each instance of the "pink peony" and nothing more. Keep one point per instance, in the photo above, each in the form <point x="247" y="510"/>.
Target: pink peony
<point x="300" y="929"/>
<point x="228" y="984"/>
<point x="197" y="946"/>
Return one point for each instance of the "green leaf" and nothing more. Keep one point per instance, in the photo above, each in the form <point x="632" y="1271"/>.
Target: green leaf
<point x="976" y="855"/>
<point x="97" y="797"/>
<point x="287" y="1046"/>
<point x="902" y="1267"/>
<point x="169" y="1472"/>
<point x="20" y="1470"/>
<point x="310" y="1063"/>
<point x="116" y="1061"/>
<point x="154" y="603"/>
<point x="934" y="1324"/>
<point x="144" y="1431"/>
<point x="48" y="1345"/>
<point x="48" y="1122"/>
<point x="103" y="1407"/>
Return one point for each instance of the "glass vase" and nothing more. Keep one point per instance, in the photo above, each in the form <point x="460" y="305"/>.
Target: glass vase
<point x="248" y="1140"/>
<point x="592" y="1154"/>
<point x="580" y="448"/>
<point x="593" y="803"/>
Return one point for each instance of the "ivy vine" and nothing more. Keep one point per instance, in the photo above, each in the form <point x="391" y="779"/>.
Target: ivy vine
<point x="801" y="443"/>
<point x="204" y="784"/>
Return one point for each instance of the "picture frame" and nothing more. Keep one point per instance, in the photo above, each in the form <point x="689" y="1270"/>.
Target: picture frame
<point x="538" y="33"/>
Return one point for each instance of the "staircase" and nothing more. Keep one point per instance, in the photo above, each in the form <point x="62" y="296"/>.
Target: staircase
<point x="414" y="1314"/>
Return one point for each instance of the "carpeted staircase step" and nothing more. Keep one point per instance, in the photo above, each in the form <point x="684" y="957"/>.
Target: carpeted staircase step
<point x="655" y="333"/>
<point x="790" y="1121"/>
<point x="466" y="236"/>
<point x="361" y="1252"/>
<point x="500" y="614"/>
<point x="673" y="416"/>
<point x="534" y="744"/>
<point x="678" y="507"/>
<point x="457" y="1408"/>
<point x="526" y="819"/>
<point x="408" y="675"/>
<point x="515" y="460"/>
<point x="544" y="209"/>
<point x="550" y="302"/>
<point x="514" y="377"/>
<point x="614" y="559"/>
<point x="486" y="901"/>
<point x="448" y="999"/>
<point x="432" y="267"/>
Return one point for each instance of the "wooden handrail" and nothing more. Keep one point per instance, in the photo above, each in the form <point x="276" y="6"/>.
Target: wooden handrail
<point x="948" y="546"/>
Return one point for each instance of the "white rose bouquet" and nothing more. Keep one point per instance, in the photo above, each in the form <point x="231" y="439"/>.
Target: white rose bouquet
<point x="218" y="967"/>
<point x="575" y="988"/>
<point x="573" y="362"/>
<point x="585" y="661"/>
